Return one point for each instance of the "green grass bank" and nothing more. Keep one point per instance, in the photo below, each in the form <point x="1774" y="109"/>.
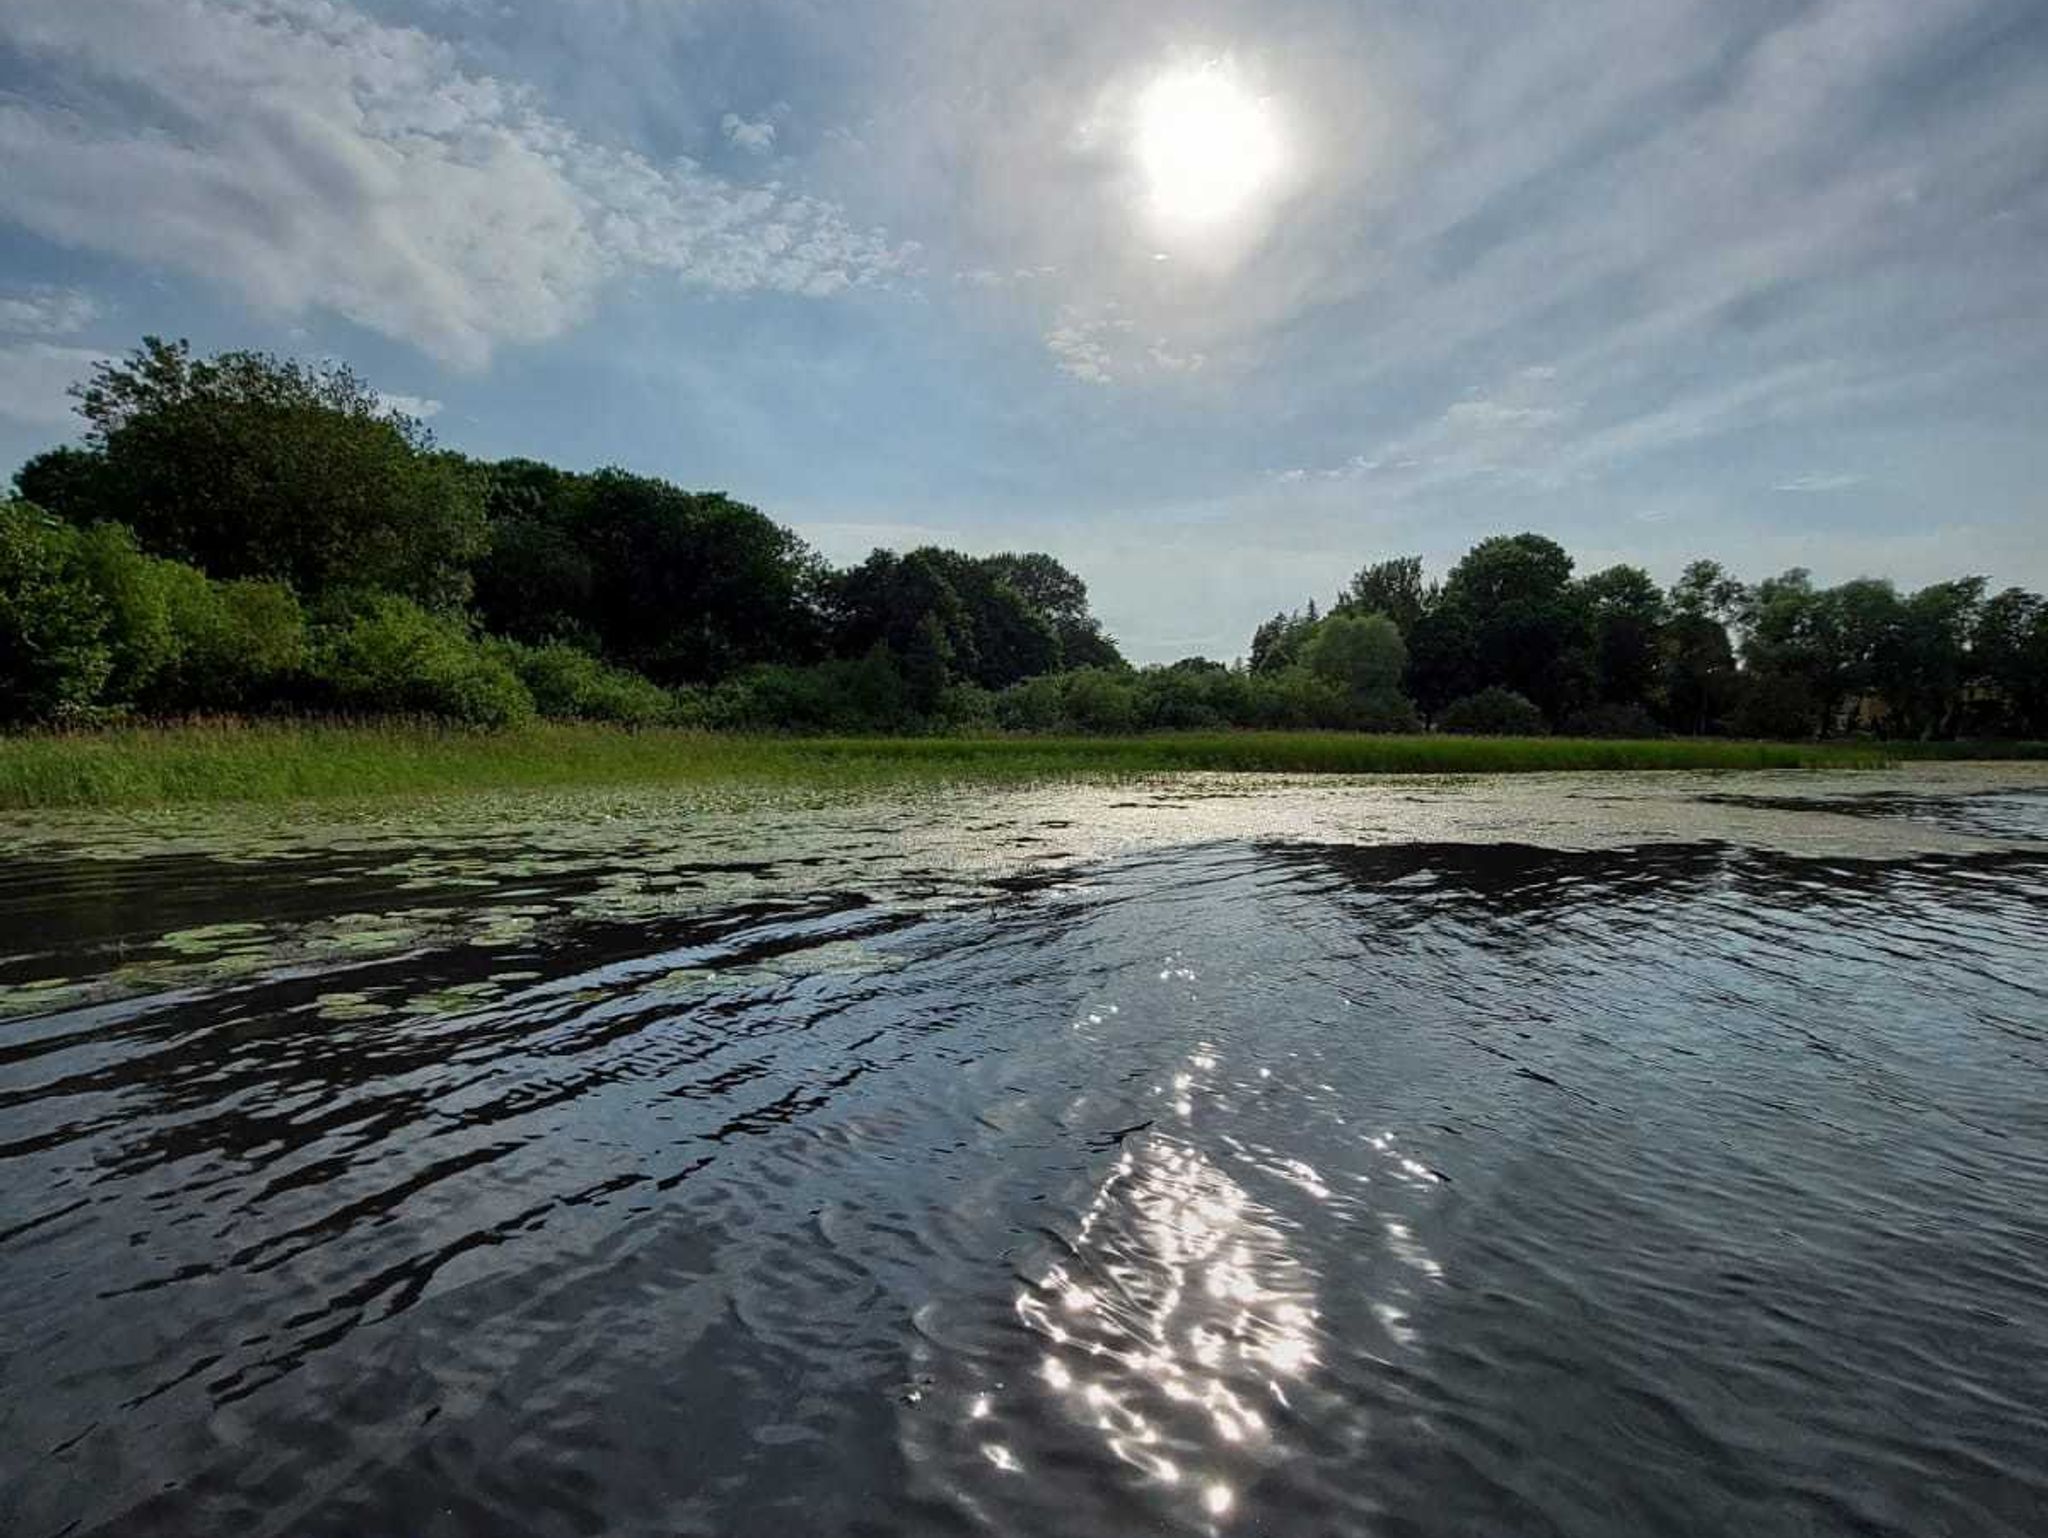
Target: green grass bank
<point x="160" y="765"/>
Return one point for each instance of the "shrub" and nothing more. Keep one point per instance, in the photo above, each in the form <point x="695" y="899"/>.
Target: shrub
<point x="965" y="707"/>
<point x="395" y="656"/>
<point x="1630" y="720"/>
<point x="1362" y="653"/>
<point x="244" y="642"/>
<point x="1099" y="700"/>
<point x="1035" y="705"/>
<point x="1296" y="697"/>
<point x="1386" y="710"/>
<point x="868" y="694"/>
<point x="567" y="681"/>
<point x="1191" y="695"/>
<point x="1494" y="712"/>
<point x="134" y="593"/>
<point x="54" y="655"/>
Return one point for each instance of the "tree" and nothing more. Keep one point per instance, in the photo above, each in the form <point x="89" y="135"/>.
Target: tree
<point x="1277" y="644"/>
<point x="1528" y="623"/>
<point x="1705" y="591"/>
<point x="1363" y="654"/>
<point x="2010" y="652"/>
<point x="1794" y="658"/>
<point x="1443" y="658"/>
<point x="247" y="465"/>
<point x="1625" y="613"/>
<point x="396" y="656"/>
<point x="1930" y="662"/>
<point x="1061" y="598"/>
<point x="536" y="583"/>
<point x="907" y="605"/>
<point x="54" y="657"/>
<point x="1393" y="588"/>
<point x="1699" y="686"/>
<point x="688" y="587"/>
<point x="1493" y="712"/>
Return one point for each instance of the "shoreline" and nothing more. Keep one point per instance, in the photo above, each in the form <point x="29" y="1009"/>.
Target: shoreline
<point x="140" y="767"/>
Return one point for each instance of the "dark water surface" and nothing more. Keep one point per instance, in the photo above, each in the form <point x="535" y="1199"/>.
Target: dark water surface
<point x="1240" y="1185"/>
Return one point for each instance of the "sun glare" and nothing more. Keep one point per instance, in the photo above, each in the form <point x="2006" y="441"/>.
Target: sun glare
<point x="1206" y="146"/>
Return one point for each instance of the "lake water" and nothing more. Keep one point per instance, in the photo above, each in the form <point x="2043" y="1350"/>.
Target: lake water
<point x="1553" y="1155"/>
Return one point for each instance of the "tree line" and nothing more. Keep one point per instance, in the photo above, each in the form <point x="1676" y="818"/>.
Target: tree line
<point x="243" y="533"/>
<point x="1511" y="640"/>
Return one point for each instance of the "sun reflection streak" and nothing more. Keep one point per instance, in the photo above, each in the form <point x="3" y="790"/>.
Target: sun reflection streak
<point x="1187" y="1306"/>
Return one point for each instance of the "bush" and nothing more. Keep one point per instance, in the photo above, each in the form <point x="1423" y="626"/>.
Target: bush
<point x="965" y="707"/>
<point x="1386" y="710"/>
<point x="864" y="695"/>
<point x="1099" y="700"/>
<point x="1191" y="695"/>
<point x="1363" y="653"/>
<point x="54" y="655"/>
<point x="1296" y="697"/>
<point x="1035" y="705"/>
<point x="1629" y="720"/>
<point x="1494" y="712"/>
<point x="395" y="656"/>
<point x="237" y="644"/>
<point x="566" y="681"/>
<point x="134" y="591"/>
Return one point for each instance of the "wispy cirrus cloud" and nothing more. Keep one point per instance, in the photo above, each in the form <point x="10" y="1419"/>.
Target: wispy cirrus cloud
<point x="46" y="310"/>
<point x="1820" y="483"/>
<point x="35" y="378"/>
<point x="307" y="155"/>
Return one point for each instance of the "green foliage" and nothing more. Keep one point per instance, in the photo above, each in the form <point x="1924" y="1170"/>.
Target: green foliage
<point x="252" y="466"/>
<point x="1625" y="612"/>
<point x="1394" y="588"/>
<point x="1362" y="654"/>
<point x="1277" y="644"/>
<point x="135" y="596"/>
<point x="396" y="656"/>
<point x="949" y="616"/>
<point x="569" y="683"/>
<point x="1629" y="720"/>
<point x="1061" y="599"/>
<point x="1035" y="705"/>
<point x="1363" y="657"/>
<point x="54" y="654"/>
<point x="245" y="642"/>
<point x="128" y="767"/>
<point x="1698" y="685"/>
<point x="842" y="695"/>
<point x="1193" y="694"/>
<point x="1493" y="712"/>
<point x="212" y="497"/>
<point x="689" y="587"/>
<point x="1527" y="622"/>
<point x="1099" y="700"/>
<point x="2010" y="648"/>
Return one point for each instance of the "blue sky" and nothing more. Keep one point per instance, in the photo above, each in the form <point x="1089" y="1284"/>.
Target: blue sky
<point x="1760" y="281"/>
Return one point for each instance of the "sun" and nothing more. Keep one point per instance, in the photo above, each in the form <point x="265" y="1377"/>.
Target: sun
<point x="1207" y="148"/>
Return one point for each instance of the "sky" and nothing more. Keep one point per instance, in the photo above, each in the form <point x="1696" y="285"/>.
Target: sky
<point x="1217" y="300"/>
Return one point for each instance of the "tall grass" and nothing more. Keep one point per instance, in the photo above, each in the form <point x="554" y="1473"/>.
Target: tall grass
<point x="240" y="761"/>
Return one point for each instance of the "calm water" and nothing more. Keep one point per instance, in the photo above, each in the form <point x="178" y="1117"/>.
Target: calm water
<point x="1173" y="1165"/>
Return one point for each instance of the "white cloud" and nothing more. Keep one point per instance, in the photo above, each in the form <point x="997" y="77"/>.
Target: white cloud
<point x="1105" y="346"/>
<point x="1080" y="346"/>
<point x="306" y="155"/>
<point x="34" y="377"/>
<point x="1819" y="483"/>
<point x="420" y="406"/>
<point x="756" y="138"/>
<point x="46" y="311"/>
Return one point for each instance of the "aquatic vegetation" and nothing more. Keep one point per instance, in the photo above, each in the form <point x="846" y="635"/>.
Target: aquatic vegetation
<point x="225" y="762"/>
